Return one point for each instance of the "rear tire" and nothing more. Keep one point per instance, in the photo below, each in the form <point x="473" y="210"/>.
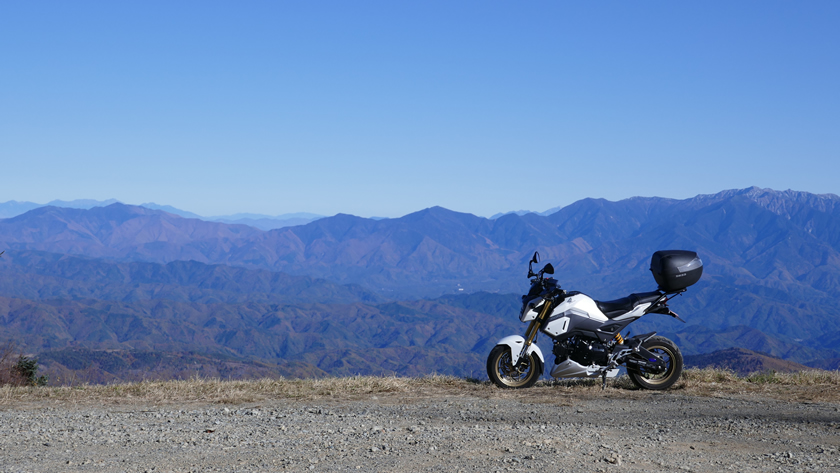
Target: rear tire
<point x="504" y="374"/>
<point x="669" y="352"/>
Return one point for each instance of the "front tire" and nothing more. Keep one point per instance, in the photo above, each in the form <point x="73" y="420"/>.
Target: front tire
<point x="669" y="352"/>
<point x="504" y="374"/>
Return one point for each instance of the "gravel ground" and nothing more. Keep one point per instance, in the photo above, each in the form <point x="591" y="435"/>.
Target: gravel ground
<point x="611" y="431"/>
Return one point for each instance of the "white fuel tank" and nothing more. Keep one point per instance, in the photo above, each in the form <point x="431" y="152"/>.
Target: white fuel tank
<point x="578" y="305"/>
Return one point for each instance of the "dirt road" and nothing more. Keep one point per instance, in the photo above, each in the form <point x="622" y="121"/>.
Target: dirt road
<point x="485" y="429"/>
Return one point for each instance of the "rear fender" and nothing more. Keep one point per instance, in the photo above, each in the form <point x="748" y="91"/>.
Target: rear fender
<point x="516" y="342"/>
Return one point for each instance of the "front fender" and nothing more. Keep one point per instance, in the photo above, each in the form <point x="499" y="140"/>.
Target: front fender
<point x="516" y="342"/>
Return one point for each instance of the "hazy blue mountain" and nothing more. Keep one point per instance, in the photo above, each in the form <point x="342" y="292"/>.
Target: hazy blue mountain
<point x="41" y="276"/>
<point x="266" y="223"/>
<point x="122" y="232"/>
<point x="289" y="216"/>
<point x="82" y="203"/>
<point x="516" y="212"/>
<point x="263" y="222"/>
<point x="172" y="210"/>
<point x="524" y="212"/>
<point x="14" y="208"/>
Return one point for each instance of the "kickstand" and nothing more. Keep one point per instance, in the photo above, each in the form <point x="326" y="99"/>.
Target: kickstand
<point x="603" y="380"/>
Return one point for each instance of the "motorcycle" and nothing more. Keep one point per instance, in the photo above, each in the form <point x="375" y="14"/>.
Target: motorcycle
<point x="587" y="333"/>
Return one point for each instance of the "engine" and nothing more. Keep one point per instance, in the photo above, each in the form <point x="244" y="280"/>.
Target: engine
<point x="585" y="351"/>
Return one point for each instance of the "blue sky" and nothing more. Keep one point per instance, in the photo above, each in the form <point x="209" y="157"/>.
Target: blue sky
<point x="384" y="108"/>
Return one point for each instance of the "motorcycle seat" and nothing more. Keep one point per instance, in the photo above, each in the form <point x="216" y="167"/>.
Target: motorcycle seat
<point x="621" y="306"/>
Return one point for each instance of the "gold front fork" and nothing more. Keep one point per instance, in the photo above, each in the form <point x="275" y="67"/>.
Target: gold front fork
<point x="535" y="324"/>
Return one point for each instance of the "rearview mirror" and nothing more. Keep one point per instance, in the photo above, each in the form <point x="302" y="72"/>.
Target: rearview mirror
<point x="548" y="269"/>
<point x="534" y="259"/>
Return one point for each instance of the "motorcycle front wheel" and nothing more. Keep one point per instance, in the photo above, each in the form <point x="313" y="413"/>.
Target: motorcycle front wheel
<point x="668" y="351"/>
<point x="504" y="374"/>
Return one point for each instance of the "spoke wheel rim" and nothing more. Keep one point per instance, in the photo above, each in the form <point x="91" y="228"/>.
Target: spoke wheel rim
<point x="511" y="375"/>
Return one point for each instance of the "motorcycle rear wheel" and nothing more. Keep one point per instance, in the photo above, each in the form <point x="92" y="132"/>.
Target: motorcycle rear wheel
<point x="669" y="352"/>
<point x="504" y="374"/>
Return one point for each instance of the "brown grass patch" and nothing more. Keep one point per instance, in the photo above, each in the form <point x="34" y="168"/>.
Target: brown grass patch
<point x="204" y="390"/>
<point x="802" y="386"/>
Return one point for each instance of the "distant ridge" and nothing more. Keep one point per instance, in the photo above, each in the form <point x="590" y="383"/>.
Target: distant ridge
<point x="266" y="222"/>
<point x="82" y="365"/>
<point x="517" y="212"/>
<point x="263" y="222"/>
<point x="82" y="203"/>
<point x="172" y="210"/>
<point x="14" y="208"/>
<point x="742" y="362"/>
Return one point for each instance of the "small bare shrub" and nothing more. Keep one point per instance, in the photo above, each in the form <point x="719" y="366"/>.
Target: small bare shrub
<point x="17" y="369"/>
<point x="8" y="360"/>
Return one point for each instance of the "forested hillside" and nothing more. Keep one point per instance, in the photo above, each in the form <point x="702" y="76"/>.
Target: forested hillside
<point x="428" y="292"/>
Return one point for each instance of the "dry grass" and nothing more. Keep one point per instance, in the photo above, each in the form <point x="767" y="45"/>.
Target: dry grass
<point x="699" y="377"/>
<point x="218" y="391"/>
<point x="802" y="386"/>
<point x="811" y="385"/>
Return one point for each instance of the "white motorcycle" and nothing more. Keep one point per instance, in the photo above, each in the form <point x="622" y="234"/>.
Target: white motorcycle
<point x="587" y="333"/>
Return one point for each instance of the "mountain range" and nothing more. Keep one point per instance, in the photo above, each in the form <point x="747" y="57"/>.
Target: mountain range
<point x="352" y="294"/>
